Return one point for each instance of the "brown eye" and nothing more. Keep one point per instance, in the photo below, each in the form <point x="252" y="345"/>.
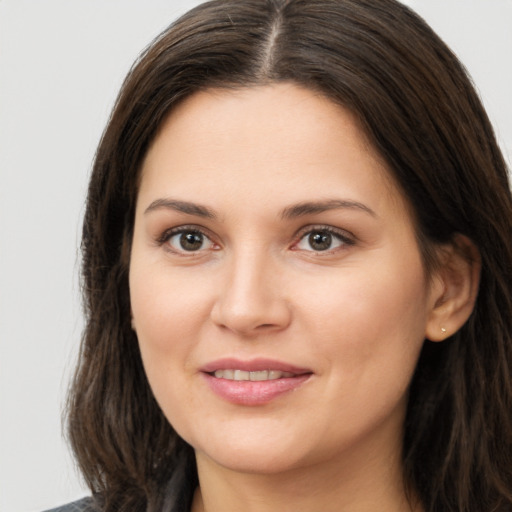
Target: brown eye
<point x="319" y="240"/>
<point x="189" y="241"/>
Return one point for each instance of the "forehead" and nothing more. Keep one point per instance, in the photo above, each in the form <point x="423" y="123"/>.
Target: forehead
<point x="260" y="111"/>
<point x="279" y="135"/>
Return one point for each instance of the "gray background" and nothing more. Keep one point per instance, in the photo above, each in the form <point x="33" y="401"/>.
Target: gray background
<point x="61" y="65"/>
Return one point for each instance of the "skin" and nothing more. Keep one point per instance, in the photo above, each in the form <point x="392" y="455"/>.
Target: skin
<point x="355" y="315"/>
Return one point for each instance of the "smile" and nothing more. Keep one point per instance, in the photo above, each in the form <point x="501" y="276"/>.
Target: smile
<point x="255" y="376"/>
<point x="253" y="383"/>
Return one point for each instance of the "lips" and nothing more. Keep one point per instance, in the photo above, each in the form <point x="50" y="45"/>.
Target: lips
<point x="253" y="365"/>
<point x="254" y="382"/>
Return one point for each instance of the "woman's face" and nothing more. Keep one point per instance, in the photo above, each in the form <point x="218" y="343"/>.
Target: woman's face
<point x="277" y="289"/>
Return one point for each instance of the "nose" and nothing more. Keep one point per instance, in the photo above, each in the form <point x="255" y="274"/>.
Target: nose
<point x="251" y="300"/>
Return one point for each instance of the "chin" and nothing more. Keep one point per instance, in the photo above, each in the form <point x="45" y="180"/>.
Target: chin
<point x="255" y="453"/>
<point x="258" y="462"/>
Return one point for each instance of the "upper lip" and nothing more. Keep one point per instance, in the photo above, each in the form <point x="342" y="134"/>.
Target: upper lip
<point x="253" y="365"/>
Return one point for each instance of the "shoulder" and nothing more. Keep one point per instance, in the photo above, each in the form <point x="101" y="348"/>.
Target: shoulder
<point x="83" y="505"/>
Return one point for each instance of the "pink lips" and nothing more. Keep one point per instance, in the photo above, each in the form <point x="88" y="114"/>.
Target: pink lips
<point x="248" y="392"/>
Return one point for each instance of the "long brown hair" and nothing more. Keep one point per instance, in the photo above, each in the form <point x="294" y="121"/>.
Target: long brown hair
<point x="416" y="104"/>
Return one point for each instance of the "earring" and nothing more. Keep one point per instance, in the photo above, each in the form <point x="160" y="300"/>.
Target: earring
<point x="443" y="330"/>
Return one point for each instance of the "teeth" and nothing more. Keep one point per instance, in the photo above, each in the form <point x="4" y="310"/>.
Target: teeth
<point x="261" y="375"/>
<point x="241" y="375"/>
<point x="228" y="374"/>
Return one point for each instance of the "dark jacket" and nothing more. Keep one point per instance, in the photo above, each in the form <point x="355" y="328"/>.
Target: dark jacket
<point x="83" y="505"/>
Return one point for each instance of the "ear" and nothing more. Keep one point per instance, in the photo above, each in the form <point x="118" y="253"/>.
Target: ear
<point x="454" y="288"/>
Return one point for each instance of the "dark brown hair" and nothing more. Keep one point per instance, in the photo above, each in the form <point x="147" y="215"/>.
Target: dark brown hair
<point x="418" y="108"/>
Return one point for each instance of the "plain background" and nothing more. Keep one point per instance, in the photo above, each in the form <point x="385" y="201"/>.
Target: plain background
<point x="61" y="65"/>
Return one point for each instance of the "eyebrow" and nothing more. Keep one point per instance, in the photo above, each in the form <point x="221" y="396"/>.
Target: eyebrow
<point x="311" y="208"/>
<point x="181" y="206"/>
<point x="290" y="212"/>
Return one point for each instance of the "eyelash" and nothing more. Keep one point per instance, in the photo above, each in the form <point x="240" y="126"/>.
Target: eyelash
<point x="345" y="238"/>
<point x="166" y="236"/>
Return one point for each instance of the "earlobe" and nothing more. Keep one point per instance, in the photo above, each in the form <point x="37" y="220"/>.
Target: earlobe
<point x="454" y="288"/>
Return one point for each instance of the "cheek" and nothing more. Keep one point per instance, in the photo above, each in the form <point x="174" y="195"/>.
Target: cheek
<point x="369" y="338"/>
<point x="162" y="316"/>
<point x="166" y="305"/>
<point x="372" y="321"/>
<point x="168" y="313"/>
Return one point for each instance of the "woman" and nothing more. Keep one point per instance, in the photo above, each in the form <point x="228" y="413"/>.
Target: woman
<point x="297" y="272"/>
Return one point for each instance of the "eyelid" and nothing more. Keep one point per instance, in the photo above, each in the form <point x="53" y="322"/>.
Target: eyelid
<point x="167" y="234"/>
<point x="345" y="236"/>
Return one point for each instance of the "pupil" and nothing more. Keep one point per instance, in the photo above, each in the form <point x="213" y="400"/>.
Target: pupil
<point x="320" y="241"/>
<point x="191" y="241"/>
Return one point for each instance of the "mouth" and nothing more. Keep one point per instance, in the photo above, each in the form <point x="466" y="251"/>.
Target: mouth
<point x="255" y="382"/>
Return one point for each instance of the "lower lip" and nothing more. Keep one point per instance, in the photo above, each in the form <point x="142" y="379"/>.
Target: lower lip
<point x="246" y="392"/>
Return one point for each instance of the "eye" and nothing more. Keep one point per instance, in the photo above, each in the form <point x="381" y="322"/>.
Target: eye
<point x="187" y="240"/>
<point x="322" y="239"/>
